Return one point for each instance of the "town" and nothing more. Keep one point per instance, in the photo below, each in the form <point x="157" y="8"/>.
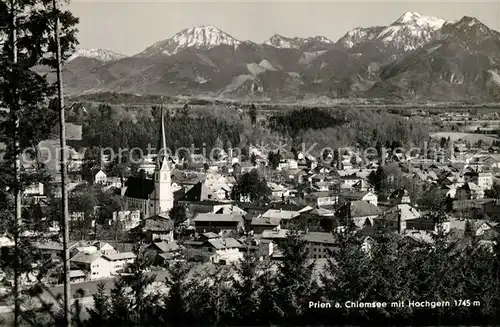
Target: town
<point x="205" y="179"/>
<point x="217" y="212"/>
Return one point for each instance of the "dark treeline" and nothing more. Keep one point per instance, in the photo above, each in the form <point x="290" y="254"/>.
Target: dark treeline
<point x="123" y="127"/>
<point x="109" y="127"/>
<point x="339" y="128"/>
<point x="260" y="293"/>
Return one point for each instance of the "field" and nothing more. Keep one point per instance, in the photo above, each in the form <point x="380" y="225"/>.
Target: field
<point x="466" y="137"/>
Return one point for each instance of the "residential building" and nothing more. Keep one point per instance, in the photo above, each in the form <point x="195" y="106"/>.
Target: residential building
<point x="359" y="196"/>
<point x="100" y="177"/>
<point x="94" y="265"/>
<point x="223" y="250"/>
<point x="319" y="199"/>
<point x="359" y="212"/>
<point x="469" y="191"/>
<point x="320" y="244"/>
<point x="211" y="222"/>
<point x="483" y="180"/>
<point x="399" y="216"/>
<point x="117" y="261"/>
<point x="158" y="227"/>
<point x="492" y="210"/>
<point x="286" y="217"/>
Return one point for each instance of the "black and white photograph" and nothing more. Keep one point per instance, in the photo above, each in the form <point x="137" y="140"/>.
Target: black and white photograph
<point x="249" y="163"/>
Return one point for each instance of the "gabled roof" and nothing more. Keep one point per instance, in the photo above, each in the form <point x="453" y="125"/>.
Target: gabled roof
<point x="213" y="217"/>
<point x="265" y="221"/>
<point x="198" y="192"/>
<point x="165" y="247"/>
<point x="157" y="224"/>
<point x="273" y="234"/>
<point x="224" y="243"/>
<point x="321" y="212"/>
<point x="139" y="188"/>
<point x="356" y="195"/>
<point x="120" y="256"/>
<point x="363" y="209"/>
<point x="76" y="274"/>
<point x="281" y="214"/>
<point x="83" y="257"/>
<point x="406" y="211"/>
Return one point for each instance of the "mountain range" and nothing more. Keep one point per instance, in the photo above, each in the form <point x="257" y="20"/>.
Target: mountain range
<point x="415" y="58"/>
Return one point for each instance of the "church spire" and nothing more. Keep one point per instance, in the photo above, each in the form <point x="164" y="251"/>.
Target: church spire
<point x="162" y="161"/>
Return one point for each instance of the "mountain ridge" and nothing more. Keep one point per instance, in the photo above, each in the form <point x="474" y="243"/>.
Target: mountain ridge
<point x="414" y="57"/>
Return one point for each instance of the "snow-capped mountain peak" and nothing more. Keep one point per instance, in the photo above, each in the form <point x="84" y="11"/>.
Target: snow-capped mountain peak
<point x="98" y="54"/>
<point x="200" y="37"/>
<point x="359" y="35"/>
<point x="206" y="36"/>
<point x="410" y="31"/>
<point x="417" y="19"/>
<point x="283" y="42"/>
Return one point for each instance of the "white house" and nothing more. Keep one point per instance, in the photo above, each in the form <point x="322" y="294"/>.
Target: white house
<point x="118" y="261"/>
<point x="278" y="191"/>
<point x="93" y="264"/>
<point x="223" y="250"/>
<point x="100" y="177"/>
<point x="35" y="189"/>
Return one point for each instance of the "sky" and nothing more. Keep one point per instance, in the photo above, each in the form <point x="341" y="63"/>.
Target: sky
<point x="129" y="27"/>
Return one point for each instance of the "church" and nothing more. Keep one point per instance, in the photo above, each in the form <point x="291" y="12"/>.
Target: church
<point x="152" y="197"/>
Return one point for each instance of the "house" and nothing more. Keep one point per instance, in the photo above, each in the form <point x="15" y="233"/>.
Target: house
<point x="359" y="196"/>
<point x="318" y="199"/>
<point x="94" y="265"/>
<point x="99" y="177"/>
<point x="359" y="212"/>
<point x="399" y="216"/>
<point x="36" y="189"/>
<point x="484" y="163"/>
<point x="320" y="244"/>
<point x="400" y="196"/>
<point x="469" y="191"/>
<point x="77" y="276"/>
<point x="483" y="180"/>
<point x="277" y="235"/>
<point x="211" y="222"/>
<point x="286" y="217"/>
<point x="492" y="210"/>
<point x="201" y="191"/>
<point x="261" y="248"/>
<point x="261" y="224"/>
<point x="278" y="191"/>
<point x="487" y="229"/>
<point x="223" y="250"/>
<point x="159" y="227"/>
<point x="117" y="261"/>
<point x="161" y="252"/>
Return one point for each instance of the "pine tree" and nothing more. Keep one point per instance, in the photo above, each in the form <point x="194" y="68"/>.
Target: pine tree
<point x="295" y="278"/>
<point x="253" y="114"/>
<point x="174" y="312"/>
<point x="246" y="289"/>
<point x="27" y="95"/>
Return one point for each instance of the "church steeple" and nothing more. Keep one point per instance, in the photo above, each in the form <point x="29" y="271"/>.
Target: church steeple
<point x="163" y="195"/>
<point x="162" y="159"/>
